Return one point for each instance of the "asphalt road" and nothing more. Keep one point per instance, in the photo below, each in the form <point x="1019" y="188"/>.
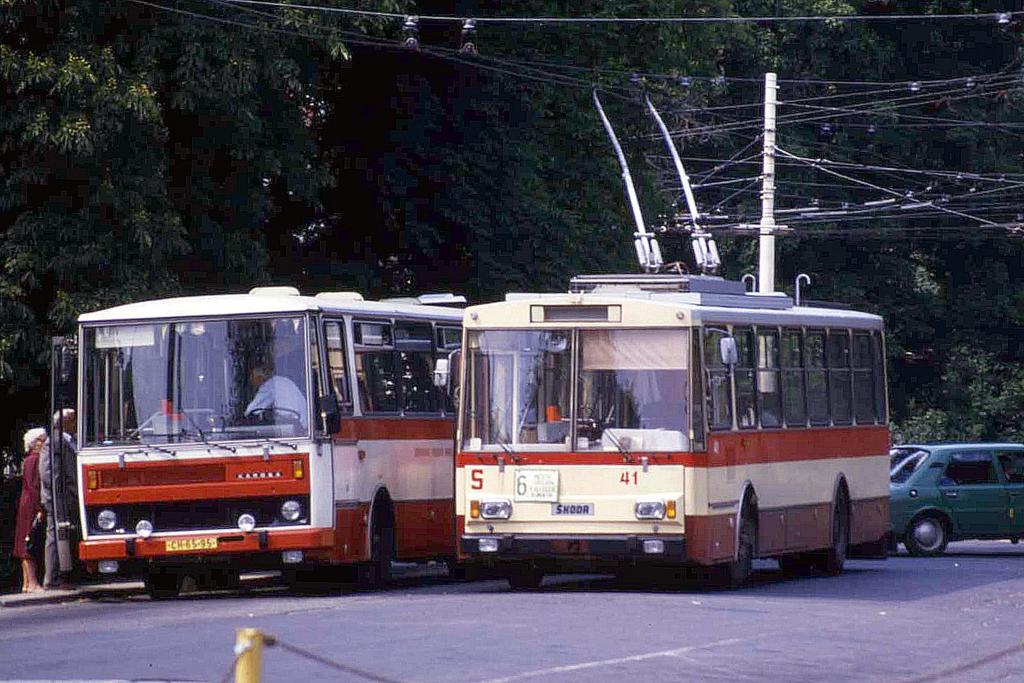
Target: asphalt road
<point x="955" y="618"/>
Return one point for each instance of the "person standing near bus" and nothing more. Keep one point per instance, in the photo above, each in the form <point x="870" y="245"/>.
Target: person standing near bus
<point x="29" y="510"/>
<point x="67" y="421"/>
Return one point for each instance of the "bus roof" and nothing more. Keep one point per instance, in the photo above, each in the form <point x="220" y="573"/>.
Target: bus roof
<point x="643" y="308"/>
<point x="263" y="304"/>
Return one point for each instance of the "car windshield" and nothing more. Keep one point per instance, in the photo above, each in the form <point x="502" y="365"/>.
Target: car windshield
<point x="904" y="462"/>
<point x="197" y="380"/>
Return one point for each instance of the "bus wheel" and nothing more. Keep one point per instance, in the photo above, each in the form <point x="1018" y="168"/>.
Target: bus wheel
<point x="163" y="585"/>
<point x="738" y="571"/>
<point x="526" y="578"/>
<point x="926" y="536"/>
<point x="832" y="560"/>
<point x="377" y="572"/>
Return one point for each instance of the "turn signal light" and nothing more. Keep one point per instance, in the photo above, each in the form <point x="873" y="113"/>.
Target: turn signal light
<point x="670" y="509"/>
<point x="298" y="469"/>
<point x="474" y="509"/>
<point x="94" y="480"/>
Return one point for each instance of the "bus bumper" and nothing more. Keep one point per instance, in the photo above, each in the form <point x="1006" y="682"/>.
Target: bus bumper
<point x="596" y="549"/>
<point x="256" y="548"/>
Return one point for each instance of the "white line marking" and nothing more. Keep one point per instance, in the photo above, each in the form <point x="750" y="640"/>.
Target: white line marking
<point x="609" y="662"/>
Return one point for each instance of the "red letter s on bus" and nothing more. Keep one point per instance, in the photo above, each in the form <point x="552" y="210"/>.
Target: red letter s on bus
<point x="477" y="477"/>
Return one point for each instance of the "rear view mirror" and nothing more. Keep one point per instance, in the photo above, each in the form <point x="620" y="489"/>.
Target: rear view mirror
<point x="442" y="373"/>
<point x="330" y="414"/>
<point x="727" y="349"/>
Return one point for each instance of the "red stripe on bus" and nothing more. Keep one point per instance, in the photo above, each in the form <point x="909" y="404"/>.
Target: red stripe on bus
<point x="228" y="543"/>
<point x="734" y="448"/>
<point x="401" y="428"/>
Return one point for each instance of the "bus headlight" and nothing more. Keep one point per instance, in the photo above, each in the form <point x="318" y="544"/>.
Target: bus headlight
<point x="649" y="509"/>
<point x="144" y="528"/>
<point x="496" y="509"/>
<point x="291" y="510"/>
<point x="246" y="522"/>
<point x="106" y="520"/>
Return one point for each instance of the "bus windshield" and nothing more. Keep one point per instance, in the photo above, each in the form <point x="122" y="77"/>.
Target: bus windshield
<point x="192" y="381"/>
<point x="631" y="390"/>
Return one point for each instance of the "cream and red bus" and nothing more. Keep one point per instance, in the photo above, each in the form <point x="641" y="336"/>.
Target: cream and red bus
<point x="265" y="430"/>
<point x="669" y="420"/>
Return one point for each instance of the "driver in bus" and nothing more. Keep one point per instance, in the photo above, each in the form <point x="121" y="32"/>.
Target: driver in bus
<point x="276" y="393"/>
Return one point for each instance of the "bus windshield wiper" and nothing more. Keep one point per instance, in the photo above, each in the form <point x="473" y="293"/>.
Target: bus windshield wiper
<point x="159" y="449"/>
<point x="508" y="449"/>
<point x="626" y="455"/>
<point x="281" y="442"/>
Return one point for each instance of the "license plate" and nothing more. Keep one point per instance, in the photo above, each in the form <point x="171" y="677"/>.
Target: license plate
<point x="537" y="485"/>
<point x="571" y="509"/>
<point x="184" y="545"/>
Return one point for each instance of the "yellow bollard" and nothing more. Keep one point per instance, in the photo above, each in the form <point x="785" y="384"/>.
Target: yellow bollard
<point x="249" y="651"/>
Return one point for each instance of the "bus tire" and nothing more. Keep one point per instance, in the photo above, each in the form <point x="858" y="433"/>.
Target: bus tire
<point x="738" y="571"/>
<point x="528" y="578"/>
<point x="163" y="585"/>
<point x="831" y="561"/>
<point x="377" y="572"/>
<point x="927" y="535"/>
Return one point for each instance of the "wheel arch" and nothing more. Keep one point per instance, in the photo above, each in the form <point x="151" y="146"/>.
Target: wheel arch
<point x="380" y="502"/>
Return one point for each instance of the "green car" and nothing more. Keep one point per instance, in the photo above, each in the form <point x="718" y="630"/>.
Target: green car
<point x="951" y="492"/>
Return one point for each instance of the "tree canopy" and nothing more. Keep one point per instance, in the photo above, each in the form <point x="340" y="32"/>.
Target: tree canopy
<point x="151" y="147"/>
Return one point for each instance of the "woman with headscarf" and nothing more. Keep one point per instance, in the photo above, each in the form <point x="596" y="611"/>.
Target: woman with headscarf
<point x="29" y="509"/>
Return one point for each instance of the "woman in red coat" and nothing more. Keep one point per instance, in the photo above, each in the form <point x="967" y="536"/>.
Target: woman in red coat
<point x="29" y="508"/>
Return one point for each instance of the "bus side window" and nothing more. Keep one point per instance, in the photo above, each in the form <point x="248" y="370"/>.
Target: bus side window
<point x="334" y="334"/>
<point x="697" y="391"/>
<point x="817" y="377"/>
<point x="719" y="388"/>
<point x="863" y="384"/>
<point x="839" y="381"/>
<point x="878" y="360"/>
<point x="768" y="394"/>
<point x="413" y="342"/>
<point x="449" y="339"/>
<point x="746" y="403"/>
<point x="794" y="399"/>
<point x="375" y="367"/>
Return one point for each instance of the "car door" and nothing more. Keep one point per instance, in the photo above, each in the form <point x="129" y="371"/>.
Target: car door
<point x="1011" y="465"/>
<point x="974" y="494"/>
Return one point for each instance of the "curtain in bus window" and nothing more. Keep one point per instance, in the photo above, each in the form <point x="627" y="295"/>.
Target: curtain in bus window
<point x="632" y="384"/>
<point x="746" y="403"/>
<point x="817" y="378"/>
<point x="794" y="407"/>
<point x="719" y="387"/>
<point x="335" y="339"/>
<point x="840" y="385"/>
<point x="378" y="381"/>
<point x="768" y="381"/>
<point x="863" y="383"/>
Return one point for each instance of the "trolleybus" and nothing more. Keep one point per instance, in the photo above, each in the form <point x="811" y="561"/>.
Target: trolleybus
<point x="669" y="420"/>
<point x="266" y="430"/>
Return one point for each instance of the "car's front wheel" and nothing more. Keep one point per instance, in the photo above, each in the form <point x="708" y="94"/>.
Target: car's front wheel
<point x="927" y="536"/>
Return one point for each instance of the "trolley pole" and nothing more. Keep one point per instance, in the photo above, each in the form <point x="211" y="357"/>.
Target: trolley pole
<point x="766" y="234"/>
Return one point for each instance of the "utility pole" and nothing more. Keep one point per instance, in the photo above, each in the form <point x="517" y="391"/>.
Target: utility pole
<point x="766" y="234"/>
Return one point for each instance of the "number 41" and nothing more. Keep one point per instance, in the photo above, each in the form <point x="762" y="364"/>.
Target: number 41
<point x="624" y="478"/>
